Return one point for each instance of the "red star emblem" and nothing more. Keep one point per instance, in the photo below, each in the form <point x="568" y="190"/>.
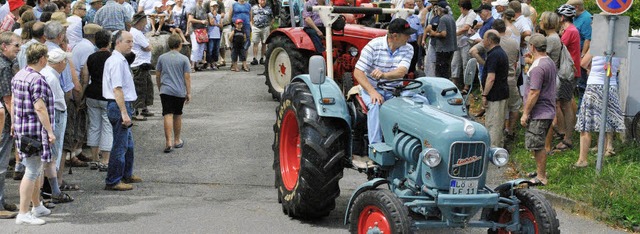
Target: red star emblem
<point x="283" y="69"/>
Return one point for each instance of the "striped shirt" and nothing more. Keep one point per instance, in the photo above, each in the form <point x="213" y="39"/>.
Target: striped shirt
<point x="377" y="55"/>
<point x="7" y="23"/>
<point x="112" y="16"/>
<point x="28" y="87"/>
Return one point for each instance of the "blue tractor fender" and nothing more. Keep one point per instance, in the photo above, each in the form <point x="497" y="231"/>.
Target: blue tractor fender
<point x="510" y="185"/>
<point x="369" y="185"/>
<point x="330" y="101"/>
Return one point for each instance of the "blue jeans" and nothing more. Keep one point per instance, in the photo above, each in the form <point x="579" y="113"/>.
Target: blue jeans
<point x="58" y="130"/>
<point x="315" y="38"/>
<point x="121" y="159"/>
<point x="213" y="49"/>
<point x="374" y="131"/>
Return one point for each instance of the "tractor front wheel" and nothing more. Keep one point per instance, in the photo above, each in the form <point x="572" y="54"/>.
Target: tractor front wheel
<point x="536" y="214"/>
<point x="285" y="61"/>
<point x="309" y="155"/>
<point x="379" y="211"/>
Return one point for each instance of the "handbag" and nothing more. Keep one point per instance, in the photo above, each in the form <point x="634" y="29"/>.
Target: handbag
<point x="201" y="35"/>
<point x="30" y="145"/>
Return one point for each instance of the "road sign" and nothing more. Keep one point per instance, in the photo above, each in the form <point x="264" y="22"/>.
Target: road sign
<point x="600" y="35"/>
<point x="615" y="7"/>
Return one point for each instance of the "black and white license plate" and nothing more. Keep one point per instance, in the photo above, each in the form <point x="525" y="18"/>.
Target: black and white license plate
<point x="463" y="187"/>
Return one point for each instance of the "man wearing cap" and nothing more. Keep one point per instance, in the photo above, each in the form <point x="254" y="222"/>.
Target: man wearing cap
<point x="9" y="46"/>
<point x="383" y="58"/>
<point x="540" y="105"/>
<point x="11" y="18"/>
<point x="499" y="6"/>
<point x="495" y="90"/>
<point x="112" y="16"/>
<point x="57" y="62"/>
<point x="141" y="67"/>
<point x="95" y="6"/>
<point x="582" y="21"/>
<point x="119" y="90"/>
<point x="484" y="11"/>
<point x="445" y="40"/>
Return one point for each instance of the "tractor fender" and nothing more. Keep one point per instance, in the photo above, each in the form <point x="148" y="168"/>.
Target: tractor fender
<point x="299" y="38"/>
<point x="510" y="185"/>
<point x="328" y="89"/>
<point x="369" y="185"/>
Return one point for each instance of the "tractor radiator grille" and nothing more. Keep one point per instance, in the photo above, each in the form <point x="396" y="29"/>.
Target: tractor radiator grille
<point x="467" y="159"/>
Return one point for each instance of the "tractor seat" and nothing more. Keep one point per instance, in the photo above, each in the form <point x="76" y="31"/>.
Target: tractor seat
<point x="354" y="96"/>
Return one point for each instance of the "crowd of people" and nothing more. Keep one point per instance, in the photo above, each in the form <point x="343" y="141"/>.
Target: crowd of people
<point x="78" y="73"/>
<point x="534" y="69"/>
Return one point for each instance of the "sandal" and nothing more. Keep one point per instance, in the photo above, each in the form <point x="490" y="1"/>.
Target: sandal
<point x="245" y="69"/>
<point x="62" y="198"/>
<point x="139" y="118"/>
<point x="557" y="134"/>
<point x="103" y="167"/>
<point x="580" y="165"/>
<point x="464" y="92"/>
<point x="68" y="187"/>
<point x="563" y="146"/>
<point x="96" y="165"/>
<point x="83" y="158"/>
<point x="536" y="182"/>
<point x="178" y="146"/>
<point x="168" y="149"/>
<point x="532" y="174"/>
<point x="75" y="162"/>
<point x="49" y="204"/>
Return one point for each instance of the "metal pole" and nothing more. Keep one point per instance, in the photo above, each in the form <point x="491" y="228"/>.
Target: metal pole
<point x="329" y="49"/>
<point x="605" y="101"/>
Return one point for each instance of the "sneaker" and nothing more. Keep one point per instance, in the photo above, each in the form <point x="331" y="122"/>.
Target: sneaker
<point x="254" y="62"/>
<point x="119" y="187"/>
<point x="28" y="219"/>
<point x="40" y="211"/>
<point x="262" y="61"/>
<point x="132" y="179"/>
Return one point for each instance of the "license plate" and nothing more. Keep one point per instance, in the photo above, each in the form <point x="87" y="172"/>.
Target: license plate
<point x="463" y="187"/>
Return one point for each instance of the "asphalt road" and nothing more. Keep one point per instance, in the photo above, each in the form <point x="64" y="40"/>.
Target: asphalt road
<point x="222" y="181"/>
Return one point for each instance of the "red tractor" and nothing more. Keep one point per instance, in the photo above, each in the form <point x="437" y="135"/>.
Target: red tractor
<point x="289" y="49"/>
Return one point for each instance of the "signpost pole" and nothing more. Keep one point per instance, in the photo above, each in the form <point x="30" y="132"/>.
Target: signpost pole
<point x="609" y="57"/>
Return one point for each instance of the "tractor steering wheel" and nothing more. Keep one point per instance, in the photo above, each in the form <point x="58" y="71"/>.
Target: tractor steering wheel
<point x="407" y="84"/>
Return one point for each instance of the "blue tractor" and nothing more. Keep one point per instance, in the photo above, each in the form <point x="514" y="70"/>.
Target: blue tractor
<point x="430" y="171"/>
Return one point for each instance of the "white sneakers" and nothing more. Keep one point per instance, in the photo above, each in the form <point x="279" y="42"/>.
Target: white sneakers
<point x="31" y="218"/>
<point x="40" y="211"/>
<point x="28" y="219"/>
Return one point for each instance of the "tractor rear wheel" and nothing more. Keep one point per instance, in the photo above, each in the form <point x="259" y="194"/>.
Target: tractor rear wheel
<point x="285" y="61"/>
<point x="536" y="214"/>
<point x="309" y="155"/>
<point x="379" y="211"/>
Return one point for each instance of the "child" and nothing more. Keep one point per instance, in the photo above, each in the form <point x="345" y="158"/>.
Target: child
<point x="238" y="37"/>
<point x="171" y="24"/>
<point x="215" y="23"/>
<point x="157" y="18"/>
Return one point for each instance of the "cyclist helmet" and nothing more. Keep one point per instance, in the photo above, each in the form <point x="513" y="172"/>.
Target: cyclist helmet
<point x="566" y="10"/>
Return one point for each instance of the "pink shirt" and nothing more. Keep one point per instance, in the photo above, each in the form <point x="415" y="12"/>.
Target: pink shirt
<point x="571" y="39"/>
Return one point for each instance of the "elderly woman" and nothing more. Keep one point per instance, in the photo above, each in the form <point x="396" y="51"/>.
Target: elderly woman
<point x="198" y="21"/>
<point x="461" y="54"/>
<point x="590" y="113"/>
<point x="32" y="103"/>
<point x="74" y="31"/>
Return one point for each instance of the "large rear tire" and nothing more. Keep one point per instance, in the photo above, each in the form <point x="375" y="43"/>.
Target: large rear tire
<point x="536" y="214"/>
<point x="309" y="155"/>
<point x="284" y="62"/>
<point x="379" y="211"/>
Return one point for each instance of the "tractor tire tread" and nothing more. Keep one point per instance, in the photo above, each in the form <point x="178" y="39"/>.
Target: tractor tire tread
<point x="392" y="206"/>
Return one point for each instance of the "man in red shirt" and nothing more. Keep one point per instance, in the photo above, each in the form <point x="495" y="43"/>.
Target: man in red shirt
<point x="565" y="111"/>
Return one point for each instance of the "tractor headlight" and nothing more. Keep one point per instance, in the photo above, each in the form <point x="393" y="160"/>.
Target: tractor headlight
<point x="431" y="157"/>
<point x="500" y="157"/>
<point x="353" y="51"/>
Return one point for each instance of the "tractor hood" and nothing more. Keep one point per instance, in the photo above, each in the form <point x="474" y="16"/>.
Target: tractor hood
<point x="433" y="126"/>
<point x="359" y="31"/>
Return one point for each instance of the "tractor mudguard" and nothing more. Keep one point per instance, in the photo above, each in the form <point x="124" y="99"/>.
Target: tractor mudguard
<point x="328" y="89"/>
<point x="299" y="38"/>
<point x="510" y="185"/>
<point x="371" y="184"/>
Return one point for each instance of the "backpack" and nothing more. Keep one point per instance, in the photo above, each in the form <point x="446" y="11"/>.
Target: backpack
<point x="566" y="66"/>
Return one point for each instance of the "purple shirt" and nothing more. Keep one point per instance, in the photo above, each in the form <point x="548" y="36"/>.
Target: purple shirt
<point x="542" y="76"/>
<point x="28" y="87"/>
<point x="314" y="15"/>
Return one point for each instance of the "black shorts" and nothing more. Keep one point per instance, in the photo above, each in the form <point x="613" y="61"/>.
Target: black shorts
<point x="171" y="104"/>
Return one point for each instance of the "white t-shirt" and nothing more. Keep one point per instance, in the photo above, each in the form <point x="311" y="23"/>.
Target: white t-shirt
<point x="147" y="6"/>
<point x="463" y="40"/>
<point x="523" y="24"/>
<point x="598" y="74"/>
<point x="53" y="79"/>
<point x="74" y="31"/>
<point x="139" y="43"/>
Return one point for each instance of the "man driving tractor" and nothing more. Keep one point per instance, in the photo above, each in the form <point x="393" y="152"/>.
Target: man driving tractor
<point x="382" y="59"/>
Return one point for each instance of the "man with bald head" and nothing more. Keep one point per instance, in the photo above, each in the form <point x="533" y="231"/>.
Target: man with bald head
<point x="496" y="89"/>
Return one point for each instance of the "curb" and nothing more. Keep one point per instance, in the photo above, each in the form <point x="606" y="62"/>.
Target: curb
<point x="570" y="205"/>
